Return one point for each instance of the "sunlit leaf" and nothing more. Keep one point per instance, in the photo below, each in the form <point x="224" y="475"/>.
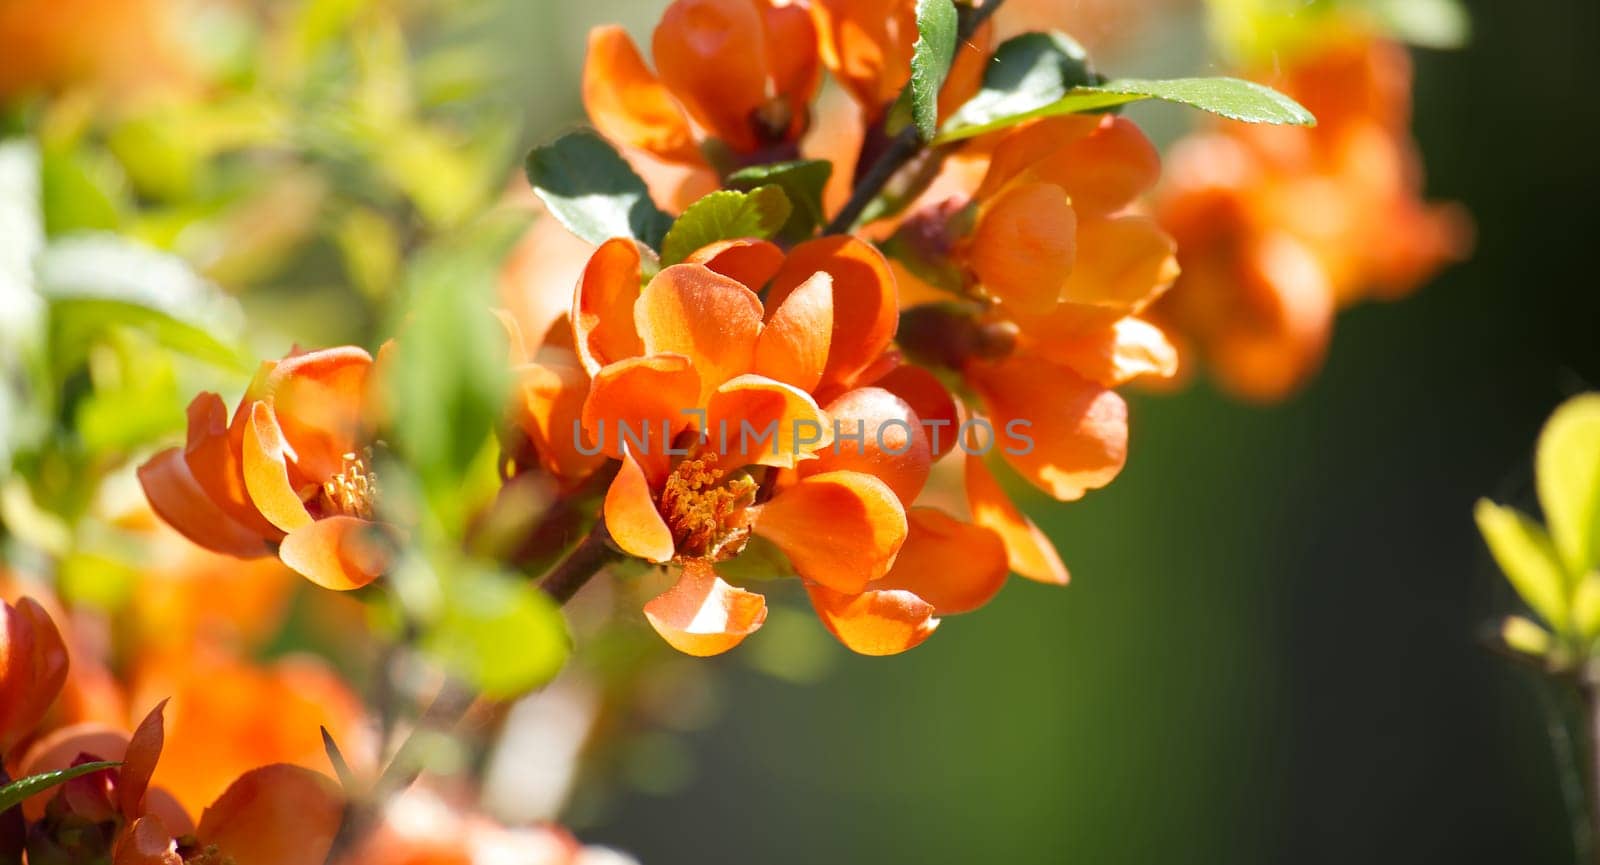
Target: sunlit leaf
<point x="726" y="214"/>
<point x="803" y="181"/>
<point x="1523" y="551"/>
<point x="1568" y="470"/>
<point x="593" y="191"/>
<point x="14" y="793"/>
<point x="931" y="56"/>
<point x="1522" y="635"/>
<point x="501" y="634"/>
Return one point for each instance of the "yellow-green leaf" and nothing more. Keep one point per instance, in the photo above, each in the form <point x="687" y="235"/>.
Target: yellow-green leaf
<point x="1525" y="636"/>
<point x="1568" y="468"/>
<point x="1525" y="554"/>
<point x="20" y="789"/>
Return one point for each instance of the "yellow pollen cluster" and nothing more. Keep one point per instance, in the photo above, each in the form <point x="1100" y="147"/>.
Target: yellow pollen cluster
<point x="353" y="491"/>
<point x="698" y="505"/>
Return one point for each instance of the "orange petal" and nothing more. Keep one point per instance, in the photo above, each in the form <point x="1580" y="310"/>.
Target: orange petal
<point x="841" y="529"/>
<point x="1028" y="550"/>
<point x="701" y="615"/>
<point x="955" y="566"/>
<point x="866" y="308"/>
<point x="177" y="497"/>
<point x="33" y="669"/>
<point x="602" y="306"/>
<point x="1026" y="146"/>
<point x="274" y="815"/>
<point x="146" y="842"/>
<point x="139" y="764"/>
<point x="1124" y="264"/>
<point x="1105" y="171"/>
<point x="792" y="62"/>
<point x="1062" y="432"/>
<point x="758" y="420"/>
<point x="339" y="553"/>
<point x="1115" y="354"/>
<point x="877" y="433"/>
<point x="631" y="515"/>
<point x="691" y="310"/>
<point x="712" y="55"/>
<point x="931" y="401"/>
<point x="550" y="414"/>
<point x="752" y="263"/>
<point x="793" y="347"/>
<point x="628" y="104"/>
<point x="266" y="470"/>
<point x="866" y="44"/>
<point x="874" y="623"/>
<point x="966" y="72"/>
<point x="212" y="452"/>
<point x="1025" y="246"/>
<point x="320" y="399"/>
<point x="632" y="399"/>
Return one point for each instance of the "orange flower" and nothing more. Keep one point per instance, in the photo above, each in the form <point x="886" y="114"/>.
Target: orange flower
<point x="734" y="81"/>
<point x="1278" y="229"/>
<point x="114" y="45"/>
<point x="292" y="469"/>
<point x="689" y="367"/>
<point x="867" y="44"/>
<point x="33" y="668"/>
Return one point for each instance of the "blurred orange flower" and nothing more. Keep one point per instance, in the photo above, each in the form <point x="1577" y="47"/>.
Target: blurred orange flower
<point x="867" y="45"/>
<point x="1279" y="228"/>
<point x="33" y="668"/>
<point x="112" y="45"/>
<point x="292" y="469"/>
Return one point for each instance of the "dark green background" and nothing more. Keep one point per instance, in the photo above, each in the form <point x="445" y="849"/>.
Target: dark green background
<point x="1269" y="650"/>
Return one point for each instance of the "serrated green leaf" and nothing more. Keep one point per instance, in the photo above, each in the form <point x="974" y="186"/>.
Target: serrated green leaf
<point x="1524" y="552"/>
<point x="14" y="793"/>
<point x="1568" y="474"/>
<point x="499" y="633"/>
<point x="1027" y="74"/>
<point x="803" y="181"/>
<point x="593" y="191"/>
<point x="726" y="214"/>
<point x="931" y="56"/>
<point x="1233" y="98"/>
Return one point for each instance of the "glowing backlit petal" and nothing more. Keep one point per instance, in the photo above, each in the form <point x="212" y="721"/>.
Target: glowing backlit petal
<point x="266" y="471"/>
<point x="955" y="566"/>
<point x="702" y="615"/>
<point x="693" y="311"/>
<point x="602" y="306"/>
<point x="753" y="419"/>
<point x="712" y="55"/>
<point x="274" y="815"/>
<point x="866" y="308"/>
<point x="632" y="517"/>
<point x="628" y="104"/>
<point x="874" y="623"/>
<point x="840" y="529"/>
<point x="1029" y="552"/>
<point x="1025" y="246"/>
<point x="339" y="552"/>
<point x="793" y="347"/>
<point x="878" y="434"/>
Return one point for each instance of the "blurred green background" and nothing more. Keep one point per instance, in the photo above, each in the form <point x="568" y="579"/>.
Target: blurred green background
<point x="1269" y="652"/>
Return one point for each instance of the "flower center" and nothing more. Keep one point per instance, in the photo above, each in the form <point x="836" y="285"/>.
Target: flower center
<point x="353" y="491"/>
<point x="700" y="505"/>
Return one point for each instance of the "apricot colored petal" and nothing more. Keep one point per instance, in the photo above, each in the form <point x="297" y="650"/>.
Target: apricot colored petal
<point x="754" y="419"/>
<point x="632" y="517"/>
<point x="1062" y="432"/>
<point x="146" y="841"/>
<point x="840" y="529"/>
<point x="793" y="347"/>
<point x="691" y="310"/>
<point x="1117" y="353"/>
<point x="866" y="307"/>
<point x="266" y="470"/>
<point x="752" y="263"/>
<point x="628" y="104"/>
<point x="33" y="669"/>
<point x="877" y="433"/>
<point x="930" y="399"/>
<point x="1025" y="246"/>
<point x="866" y="44"/>
<point x="701" y="615"/>
<point x="339" y="553"/>
<point x="139" y="763"/>
<point x="874" y="623"/>
<point x="550" y="414"/>
<point x="274" y="815"/>
<point x="712" y="55"/>
<point x="792" y="62"/>
<point x="1124" y="264"/>
<point x="955" y="566"/>
<point x="1026" y="146"/>
<point x="1104" y="171"/>
<point x="634" y="398"/>
<point x="320" y="399"/>
<point x="1028" y="551"/>
<point x="966" y="72"/>
<point x="602" y="306"/>
<point x="211" y="451"/>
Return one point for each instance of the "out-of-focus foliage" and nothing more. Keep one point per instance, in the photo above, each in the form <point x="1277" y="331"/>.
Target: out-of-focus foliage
<point x="1250" y="32"/>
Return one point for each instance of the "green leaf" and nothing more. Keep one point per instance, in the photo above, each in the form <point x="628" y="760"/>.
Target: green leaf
<point x="14" y="793"/>
<point x="501" y="634"/>
<point x="726" y="214"/>
<point x="593" y="191"/>
<point x="94" y="282"/>
<point x="1524" y="552"/>
<point x="1027" y="74"/>
<point x="931" y="56"/>
<point x="803" y="181"/>
<point x="1436" y="24"/>
<point x="1568" y="468"/>
<point x="1232" y="98"/>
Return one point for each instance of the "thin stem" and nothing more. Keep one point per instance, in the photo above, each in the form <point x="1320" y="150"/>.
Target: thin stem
<point x="907" y="145"/>
<point x="591" y="554"/>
